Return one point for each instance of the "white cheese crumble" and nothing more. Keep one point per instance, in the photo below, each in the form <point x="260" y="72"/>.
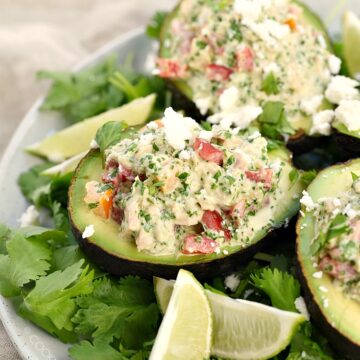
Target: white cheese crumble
<point x="326" y="303"/>
<point x="318" y="275"/>
<point x="94" y="144"/>
<point x="272" y="68"/>
<point x="229" y="98"/>
<point x="350" y="212"/>
<point x="29" y="217"/>
<point x="206" y="135"/>
<point x="301" y="307"/>
<point x="348" y="113"/>
<point x="152" y="125"/>
<point x="307" y="201"/>
<point x="323" y="289"/>
<point x="225" y="252"/>
<point x="178" y="128"/>
<point x="203" y="104"/>
<point x="334" y="64"/>
<point x="342" y="88"/>
<point x="88" y="232"/>
<point x="232" y="282"/>
<point x="256" y="134"/>
<point x="185" y="155"/>
<point x="310" y="106"/>
<point x="146" y="139"/>
<point x="250" y="9"/>
<point x="322" y="122"/>
<point x="322" y="42"/>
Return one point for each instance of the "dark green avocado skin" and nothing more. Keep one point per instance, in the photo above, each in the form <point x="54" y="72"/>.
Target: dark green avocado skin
<point x="348" y="146"/>
<point x="203" y="271"/>
<point x="341" y="343"/>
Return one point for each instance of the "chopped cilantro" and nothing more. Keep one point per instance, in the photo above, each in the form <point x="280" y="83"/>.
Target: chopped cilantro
<point x="153" y="29"/>
<point x="270" y="84"/>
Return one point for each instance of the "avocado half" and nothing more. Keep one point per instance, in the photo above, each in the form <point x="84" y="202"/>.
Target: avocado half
<point x="183" y="94"/>
<point x="121" y="257"/>
<point x="340" y="320"/>
<point x="347" y="141"/>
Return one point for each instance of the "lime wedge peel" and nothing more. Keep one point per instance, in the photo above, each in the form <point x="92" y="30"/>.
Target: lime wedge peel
<point x="186" y="329"/>
<point x="351" y="39"/>
<point x="76" y="139"/>
<point x="242" y="329"/>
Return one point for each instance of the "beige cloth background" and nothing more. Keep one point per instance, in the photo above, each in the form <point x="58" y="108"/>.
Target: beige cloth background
<point x="53" y="35"/>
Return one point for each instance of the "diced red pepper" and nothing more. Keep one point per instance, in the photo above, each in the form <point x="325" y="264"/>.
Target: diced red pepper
<point x="245" y="59"/>
<point x="337" y="269"/>
<point x="171" y="69"/>
<point x="218" y="72"/>
<point x="208" y="151"/>
<point x="213" y="221"/>
<point x="197" y="244"/>
<point x="263" y="176"/>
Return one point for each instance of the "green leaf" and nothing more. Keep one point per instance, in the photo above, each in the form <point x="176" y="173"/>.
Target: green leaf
<point x="270" y="84"/>
<point x="294" y="176"/>
<point x="354" y="176"/>
<point x="308" y="176"/>
<point x="111" y="133"/>
<point x="99" y="350"/>
<point x="338" y="227"/>
<point x="27" y="260"/>
<point x="54" y="295"/>
<point x="153" y="29"/>
<point x="125" y="311"/>
<point x="282" y="288"/>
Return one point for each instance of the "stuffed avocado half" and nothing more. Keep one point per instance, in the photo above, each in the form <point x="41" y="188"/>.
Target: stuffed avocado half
<point x="233" y="58"/>
<point x="175" y="195"/>
<point x="328" y="252"/>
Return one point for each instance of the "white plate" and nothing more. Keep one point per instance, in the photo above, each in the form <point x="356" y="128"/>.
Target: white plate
<point x="31" y="342"/>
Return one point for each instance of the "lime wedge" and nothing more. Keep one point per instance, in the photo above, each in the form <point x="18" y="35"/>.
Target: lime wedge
<point x="351" y="39"/>
<point x="242" y="329"/>
<point x="186" y="329"/>
<point x="65" y="167"/>
<point x="76" y="139"/>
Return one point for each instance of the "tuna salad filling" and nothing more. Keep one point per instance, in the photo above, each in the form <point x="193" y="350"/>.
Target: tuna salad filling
<point x="336" y="244"/>
<point x="178" y="189"/>
<point x="239" y="55"/>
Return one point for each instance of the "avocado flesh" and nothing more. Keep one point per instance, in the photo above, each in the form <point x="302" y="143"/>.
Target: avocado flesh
<point x="340" y="320"/>
<point x="106" y="237"/>
<point x="304" y="122"/>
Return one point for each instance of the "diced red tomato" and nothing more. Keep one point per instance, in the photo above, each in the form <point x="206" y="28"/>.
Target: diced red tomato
<point x="125" y="174"/>
<point x="264" y="176"/>
<point x="171" y="69"/>
<point x="208" y="151"/>
<point x="238" y="210"/>
<point x="245" y="59"/>
<point x="117" y="214"/>
<point x="213" y="221"/>
<point x="197" y="244"/>
<point x="218" y="72"/>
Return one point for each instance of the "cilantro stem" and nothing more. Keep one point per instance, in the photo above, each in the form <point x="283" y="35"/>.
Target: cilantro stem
<point x="119" y="81"/>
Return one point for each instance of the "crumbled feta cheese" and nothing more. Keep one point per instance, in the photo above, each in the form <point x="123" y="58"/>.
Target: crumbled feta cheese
<point x="323" y="289"/>
<point x="256" y="134"/>
<point x="206" y="135"/>
<point x="322" y="42"/>
<point x="247" y="293"/>
<point x="94" y="144"/>
<point x="228" y="99"/>
<point x="326" y="303"/>
<point x="307" y="201"/>
<point x="88" y="232"/>
<point x="342" y="88"/>
<point x="348" y="113"/>
<point x="301" y="307"/>
<point x="318" y="275"/>
<point x="225" y="252"/>
<point x="217" y="251"/>
<point x="29" y="217"/>
<point x="272" y="68"/>
<point x="276" y="166"/>
<point x="241" y="118"/>
<point x="269" y="31"/>
<point x="336" y="202"/>
<point x="178" y="128"/>
<point x="250" y="9"/>
<point x="185" y="155"/>
<point x="322" y="122"/>
<point x="232" y="282"/>
<point x="310" y="106"/>
<point x="203" y="104"/>
<point x="146" y="139"/>
<point x="152" y="125"/>
<point x="350" y="212"/>
<point x="334" y="64"/>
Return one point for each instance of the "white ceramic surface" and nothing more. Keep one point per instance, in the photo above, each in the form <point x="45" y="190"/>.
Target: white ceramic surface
<point x="31" y="342"/>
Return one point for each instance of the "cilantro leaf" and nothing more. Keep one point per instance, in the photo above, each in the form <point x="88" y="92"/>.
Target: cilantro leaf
<point x="308" y="176"/>
<point x="270" y="84"/>
<point x="354" y="176"/>
<point x="282" y="288"/>
<point x="338" y="226"/>
<point x="99" y="350"/>
<point x="153" y="29"/>
<point x="54" y="295"/>
<point x="125" y="311"/>
<point x="27" y="260"/>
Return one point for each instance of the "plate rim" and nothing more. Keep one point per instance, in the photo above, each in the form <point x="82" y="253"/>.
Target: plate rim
<point x="23" y="349"/>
